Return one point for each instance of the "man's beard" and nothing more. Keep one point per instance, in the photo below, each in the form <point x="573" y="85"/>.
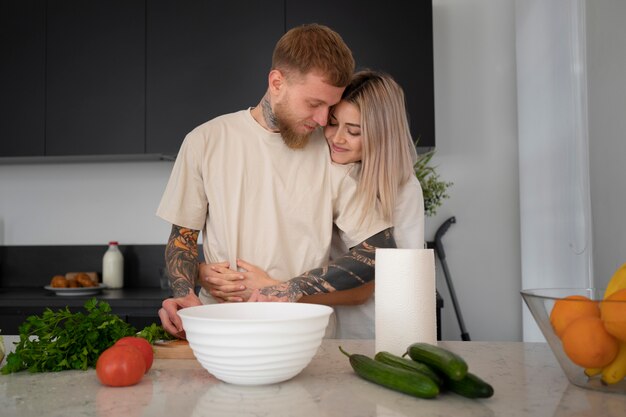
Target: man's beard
<point x="286" y="126"/>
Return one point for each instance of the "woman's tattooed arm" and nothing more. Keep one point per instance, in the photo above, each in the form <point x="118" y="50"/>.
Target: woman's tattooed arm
<point x="181" y="259"/>
<point x="349" y="271"/>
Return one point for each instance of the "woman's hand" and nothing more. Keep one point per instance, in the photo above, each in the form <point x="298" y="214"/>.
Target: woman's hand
<point x="219" y="277"/>
<point x="226" y="284"/>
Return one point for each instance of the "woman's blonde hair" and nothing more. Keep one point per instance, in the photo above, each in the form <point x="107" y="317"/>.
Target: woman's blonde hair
<point x="388" y="152"/>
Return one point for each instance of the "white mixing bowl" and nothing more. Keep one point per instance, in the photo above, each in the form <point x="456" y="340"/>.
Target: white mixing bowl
<point x="255" y="343"/>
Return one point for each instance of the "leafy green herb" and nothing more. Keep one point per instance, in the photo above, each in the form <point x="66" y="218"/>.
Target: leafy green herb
<point x="62" y="340"/>
<point x="155" y="332"/>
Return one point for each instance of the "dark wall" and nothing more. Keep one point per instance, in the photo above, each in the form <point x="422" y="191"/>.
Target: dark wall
<point x="34" y="266"/>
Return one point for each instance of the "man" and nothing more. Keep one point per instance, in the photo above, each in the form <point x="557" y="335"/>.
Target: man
<point x="260" y="185"/>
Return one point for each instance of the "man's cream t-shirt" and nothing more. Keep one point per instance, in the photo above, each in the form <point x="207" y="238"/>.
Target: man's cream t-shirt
<point x="258" y="200"/>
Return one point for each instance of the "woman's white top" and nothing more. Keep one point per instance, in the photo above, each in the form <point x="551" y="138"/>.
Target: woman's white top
<point x="357" y="322"/>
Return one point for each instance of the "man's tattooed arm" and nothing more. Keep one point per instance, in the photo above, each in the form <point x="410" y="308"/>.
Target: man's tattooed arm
<point x="181" y="259"/>
<point x="353" y="269"/>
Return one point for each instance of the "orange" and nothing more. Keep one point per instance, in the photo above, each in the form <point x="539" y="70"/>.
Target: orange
<point x="568" y="309"/>
<point x="587" y="343"/>
<point x="613" y="313"/>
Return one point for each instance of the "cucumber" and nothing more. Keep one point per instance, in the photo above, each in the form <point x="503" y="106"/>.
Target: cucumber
<point x="471" y="387"/>
<point x="450" y="364"/>
<point x="398" y="362"/>
<point x="402" y="380"/>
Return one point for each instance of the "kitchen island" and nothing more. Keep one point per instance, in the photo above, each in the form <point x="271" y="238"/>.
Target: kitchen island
<point x="526" y="377"/>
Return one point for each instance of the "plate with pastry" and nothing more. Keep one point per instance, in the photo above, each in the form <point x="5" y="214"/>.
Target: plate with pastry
<point x="76" y="290"/>
<point x="76" y="284"/>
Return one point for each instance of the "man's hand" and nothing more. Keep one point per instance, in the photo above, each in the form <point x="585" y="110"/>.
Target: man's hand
<point x="219" y="277"/>
<point x="169" y="313"/>
<point x="228" y="285"/>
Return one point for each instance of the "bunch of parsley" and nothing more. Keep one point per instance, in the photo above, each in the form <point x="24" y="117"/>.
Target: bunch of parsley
<point x="62" y="340"/>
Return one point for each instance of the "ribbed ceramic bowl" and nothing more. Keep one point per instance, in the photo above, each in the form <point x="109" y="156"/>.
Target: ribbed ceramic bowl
<point x="540" y="303"/>
<point x="255" y="343"/>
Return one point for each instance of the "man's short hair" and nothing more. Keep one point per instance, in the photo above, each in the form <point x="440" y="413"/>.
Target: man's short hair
<point x="314" y="47"/>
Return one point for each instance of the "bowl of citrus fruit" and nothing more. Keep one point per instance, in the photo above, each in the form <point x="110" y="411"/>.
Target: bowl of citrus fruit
<point x="586" y="330"/>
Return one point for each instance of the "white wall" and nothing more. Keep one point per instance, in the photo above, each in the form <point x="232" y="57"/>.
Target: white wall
<point x="476" y="119"/>
<point x="555" y="207"/>
<point x="476" y="128"/>
<point x="606" y="66"/>
<point x="90" y="204"/>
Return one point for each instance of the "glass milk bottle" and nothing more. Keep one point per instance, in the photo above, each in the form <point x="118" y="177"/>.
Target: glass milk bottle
<point x="113" y="267"/>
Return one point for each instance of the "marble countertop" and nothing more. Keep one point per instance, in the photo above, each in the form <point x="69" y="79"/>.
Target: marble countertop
<point x="526" y="377"/>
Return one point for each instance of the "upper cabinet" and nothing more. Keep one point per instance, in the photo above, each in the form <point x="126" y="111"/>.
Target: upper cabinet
<point x="204" y="59"/>
<point x="128" y="77"/>
<point x="95" y="101"/>
<point x="394" y="36"/>
<point x="22" y="77"/>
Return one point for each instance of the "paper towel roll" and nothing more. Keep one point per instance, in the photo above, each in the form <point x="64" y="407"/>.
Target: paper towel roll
<point x="405" y="300"/>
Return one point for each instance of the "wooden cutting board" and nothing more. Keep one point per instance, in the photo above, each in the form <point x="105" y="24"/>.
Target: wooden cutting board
<point x="172" y="349"/>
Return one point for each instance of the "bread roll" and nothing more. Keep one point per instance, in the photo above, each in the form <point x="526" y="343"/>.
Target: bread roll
<point x="59" y="281"/>
<point x="84" y="280"/>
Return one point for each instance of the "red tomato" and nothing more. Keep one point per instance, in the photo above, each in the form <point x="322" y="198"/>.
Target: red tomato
<point x="143" y="345"/>
<point x="120" y="366"/>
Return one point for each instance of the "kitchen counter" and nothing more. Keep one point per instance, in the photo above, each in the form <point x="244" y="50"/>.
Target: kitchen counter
<point x="526" y="378"/>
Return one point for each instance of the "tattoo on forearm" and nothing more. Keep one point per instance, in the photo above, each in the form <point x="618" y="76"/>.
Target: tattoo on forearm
<point x="353" y="269"/>
<point x="181" y="259"/>
<point x="288" y="289"/>
<point x="268" y="113"/>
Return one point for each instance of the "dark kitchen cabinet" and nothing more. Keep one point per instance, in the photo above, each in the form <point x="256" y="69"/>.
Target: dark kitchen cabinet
<point x="22" y="282"/>
<point x="139" y="306"/>
<point x="22" y="77"/>
<point x="95" y="101"/>
<point x="204" y="59"/>
<point x="124" y="77"/>
<point x="394" y="36"/>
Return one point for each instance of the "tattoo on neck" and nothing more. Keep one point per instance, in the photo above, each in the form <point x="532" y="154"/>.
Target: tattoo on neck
<point x="268" y="114"/>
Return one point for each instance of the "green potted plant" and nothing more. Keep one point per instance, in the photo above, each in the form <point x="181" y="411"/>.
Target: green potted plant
<point x="433" y="188"/>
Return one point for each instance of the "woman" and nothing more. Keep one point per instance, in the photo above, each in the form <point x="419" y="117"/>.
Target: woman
<point x="369" y="129"/>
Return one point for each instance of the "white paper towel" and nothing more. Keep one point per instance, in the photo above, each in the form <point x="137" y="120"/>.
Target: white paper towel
<point x="405" y="300"/>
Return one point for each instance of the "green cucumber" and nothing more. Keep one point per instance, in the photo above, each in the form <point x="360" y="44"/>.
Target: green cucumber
<point x="398" y="362"/>
<point x="402" y="380"/>
<point x="471" y="387"/>
<point x="450" y="364"/>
